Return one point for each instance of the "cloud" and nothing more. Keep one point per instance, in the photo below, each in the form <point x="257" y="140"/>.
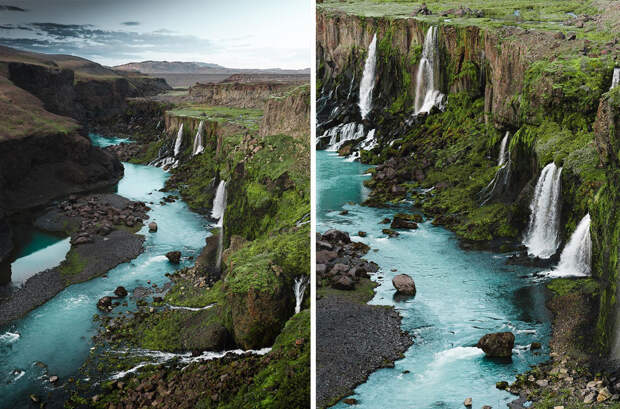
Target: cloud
<point x="11" y="8"/>
<point x="131" y="23"/>
<point x="93" y="43"/>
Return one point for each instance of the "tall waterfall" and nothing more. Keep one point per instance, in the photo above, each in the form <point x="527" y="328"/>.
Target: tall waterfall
<point x="179" y="141"/>
<point x="427" y="94"/>
<point x="542" y="238"/>
<point x="368" y="79"/>
<point x="300" y="288"/>
<point x="219" y="204"/>
<point x="616" y="78"/>
<point x="576" y="256"/>
<point x="219" y="208"/>
<point x="198" y="148"/>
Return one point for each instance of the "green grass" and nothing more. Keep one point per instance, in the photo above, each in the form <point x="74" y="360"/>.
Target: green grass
<point x="533" y="14"/>
<point x="244" y="117"/>
<point x="72" y="265"/>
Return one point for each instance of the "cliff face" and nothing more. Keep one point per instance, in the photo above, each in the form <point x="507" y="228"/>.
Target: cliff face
<point x="542" y="86"/>
<point x="81" y="96"/>
<point x="289" y="115"/>
<point x="488" y="62"/>
<point x="240" y="95"/>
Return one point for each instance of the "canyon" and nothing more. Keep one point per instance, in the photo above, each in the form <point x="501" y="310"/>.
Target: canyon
<point x="220" y="255"/>
<point x="465" y="113"/>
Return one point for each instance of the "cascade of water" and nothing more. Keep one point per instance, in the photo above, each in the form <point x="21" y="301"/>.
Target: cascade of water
<point x="576" y="256"/>
<point x="342" y="133"/>
<point x="219" y="208"/>
<point x="219" y="203"/>
<point x="300" y="288"/>
<point x="504" y="155"/>
<point x="500" y="181"/>
<point x="616" y="78"/>
<point x="198" y="148"/>
<point x="368" y="79"/>
<point x="427" y="94"/>
<point x="179" y="141"/>
<point x="542" y="238"/>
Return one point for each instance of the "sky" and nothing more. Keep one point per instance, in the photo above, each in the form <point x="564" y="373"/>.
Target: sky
<point x="232" y="33"/>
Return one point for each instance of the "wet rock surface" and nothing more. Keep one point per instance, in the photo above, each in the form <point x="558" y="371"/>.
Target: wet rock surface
<point x="497" y="345"/>
<point x="339" y="260"/>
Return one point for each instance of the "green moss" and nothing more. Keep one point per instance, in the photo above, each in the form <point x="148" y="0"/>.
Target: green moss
<point x="72" y="265"/>
<point x="285" y="382"/>
<point x="245" y="117"/>
<point x="565" y="286"/>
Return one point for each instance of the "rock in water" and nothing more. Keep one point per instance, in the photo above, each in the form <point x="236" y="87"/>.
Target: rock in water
<point x="497" y="345"/>
<point x="468" y="402"/>
<point x="174" y="257"/>
<point x="120" y="291"/>
<point x="53" y="379"/>
<point x="152" y="227"/>
<point x="403" y="221"/>
<point x="104" y="303"/>
<point x="404" y="284"/>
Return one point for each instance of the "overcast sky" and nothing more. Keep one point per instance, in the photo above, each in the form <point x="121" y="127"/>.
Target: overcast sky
<point x="232" y="33"/>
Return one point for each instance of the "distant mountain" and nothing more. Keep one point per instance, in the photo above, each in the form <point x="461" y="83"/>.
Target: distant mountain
<point x="180" y="67"/>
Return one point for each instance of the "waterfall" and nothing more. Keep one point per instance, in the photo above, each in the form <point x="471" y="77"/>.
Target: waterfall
<point x="616" y="79"/>
<point x="342" y="133"/>
<point x="300" y="287"/>
<point x="542" y="238"/>
<point x="198" y="148"/>
<point x="179" y="141"/>
<point x="219" y="208"/>
<point x="370" y="142"/>
<point x="368" y="79"/>
<point x="497" y="186"/>
<point x="504" y="156"/>
<point x="575" y="258"/>
<point x="219" y="204"/>
<point x="427" y="94"/>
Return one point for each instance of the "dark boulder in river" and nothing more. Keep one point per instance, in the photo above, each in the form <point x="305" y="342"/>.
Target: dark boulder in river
<point x="174" y="257"/>
<point x="120" y="291"/>
<point x="497" y="345"/>
<point x="104" y="303"/>
<point x="404" y="284"/>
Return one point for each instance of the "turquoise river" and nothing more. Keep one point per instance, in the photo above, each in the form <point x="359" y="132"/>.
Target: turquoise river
<point x="461" y="295"/>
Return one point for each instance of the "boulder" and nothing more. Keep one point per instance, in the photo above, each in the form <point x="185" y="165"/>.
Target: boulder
<point x="152" y="227"/>
<point x="343" y="283"/>
<point x="404" y="284"/>
<point x="402" y="221"/>
<point x="335" y="236"/>
<point x="53" y="379"/>
<point x="497" y="345"/>
<point x="120" y="291"/>
<point x="104" y="303"/>
<point x="468" y="402"/>
<point x="174" y="257"/>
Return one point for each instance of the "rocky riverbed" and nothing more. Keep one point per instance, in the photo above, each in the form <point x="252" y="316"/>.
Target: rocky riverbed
<point x="102" y="229"/>
<point x="353" y="338"/>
